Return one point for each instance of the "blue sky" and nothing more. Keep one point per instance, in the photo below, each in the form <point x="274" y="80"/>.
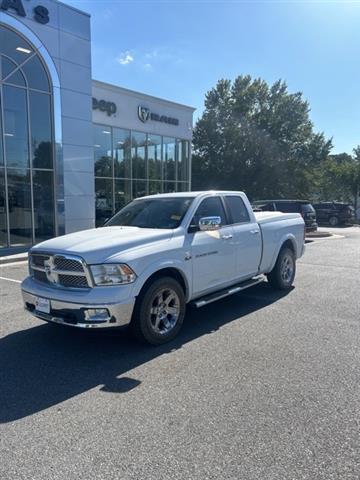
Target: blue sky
<point x="178" y="49"/>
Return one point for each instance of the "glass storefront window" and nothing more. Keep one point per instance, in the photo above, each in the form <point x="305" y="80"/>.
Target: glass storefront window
<point x="155" y="187"/>
<point x="104" y="200"/>
<point x="14" y="46"/>
<point x="183" y="187"/>
<point x="3" y="223"/>
<point x="138" y="154"/>
<point x="19" y="195"/>
<point x="41" y="131"/>
<point x="27" y="205"/>
<point x="16" y="127"/>
<point x="36" y="75"/>
<point x="154" y="147"/>
<point x="122" y="153"/>
<point x="102" y="151"/>
<point x="44" y="220"/>
<point x="122" y="193"/>
<point x="170" y="187"/>
<point x="169" y="158"/>
<point x="1" y="137"/>
<point x="139" y="188"/>
<point x="140" y="164"/>
<point x="183" y="158"/>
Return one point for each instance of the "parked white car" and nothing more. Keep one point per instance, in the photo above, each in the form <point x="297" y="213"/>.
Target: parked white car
<point x="157" y="255"/>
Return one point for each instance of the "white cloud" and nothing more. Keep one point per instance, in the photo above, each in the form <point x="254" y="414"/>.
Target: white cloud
<point x="148" y="66"/>
<point x="125" y="58"/>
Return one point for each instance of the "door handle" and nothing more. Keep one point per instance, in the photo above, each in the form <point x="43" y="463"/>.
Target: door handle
<point x="226" y="237"/>
<point x="254" y="232"/>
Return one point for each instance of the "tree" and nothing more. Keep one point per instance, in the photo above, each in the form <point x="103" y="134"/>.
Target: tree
<point x="338" y="177"/>
<point x="258" y="138"/>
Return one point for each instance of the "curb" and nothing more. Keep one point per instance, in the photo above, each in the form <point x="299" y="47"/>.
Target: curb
<point x="22" y="257"/>
<point x="319" y="235"/>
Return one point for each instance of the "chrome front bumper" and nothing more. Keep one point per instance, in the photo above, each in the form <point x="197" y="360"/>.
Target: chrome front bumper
<point x="73" y="314"/>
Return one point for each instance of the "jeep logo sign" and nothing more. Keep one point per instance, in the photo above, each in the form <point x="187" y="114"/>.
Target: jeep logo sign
<point x="109" y="107"/>
<point x="41" y="14"/>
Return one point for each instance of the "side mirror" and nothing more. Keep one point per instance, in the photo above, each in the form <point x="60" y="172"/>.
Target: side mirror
<point x="209" y="223"/>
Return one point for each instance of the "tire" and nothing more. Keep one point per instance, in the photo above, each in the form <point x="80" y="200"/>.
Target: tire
<point x="333" y="221"/>
<point x="283" y="274"/>
<point x="159" y="312"/>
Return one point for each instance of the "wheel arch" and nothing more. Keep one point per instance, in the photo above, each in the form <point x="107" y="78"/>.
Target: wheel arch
<point x="287" y="242"/>
<point x="166" y="271"/>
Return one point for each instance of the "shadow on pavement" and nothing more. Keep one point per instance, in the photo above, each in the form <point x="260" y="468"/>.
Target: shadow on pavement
<point x="45" y="365"/>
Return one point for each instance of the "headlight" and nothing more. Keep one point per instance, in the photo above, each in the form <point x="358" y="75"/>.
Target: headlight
<point x="112" y="274"/>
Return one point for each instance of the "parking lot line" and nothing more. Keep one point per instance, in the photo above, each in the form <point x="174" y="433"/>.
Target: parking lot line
<point x="3" y="265"/>
<point x="10" y="280"/>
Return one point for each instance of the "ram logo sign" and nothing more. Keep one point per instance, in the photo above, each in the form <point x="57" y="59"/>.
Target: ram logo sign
<point x="143" y="113"/>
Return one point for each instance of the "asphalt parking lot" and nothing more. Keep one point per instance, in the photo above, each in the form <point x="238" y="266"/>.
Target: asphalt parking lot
<point x="258" y="386"/>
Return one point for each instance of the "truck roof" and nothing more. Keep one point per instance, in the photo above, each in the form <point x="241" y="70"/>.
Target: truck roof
<point x="193" y="194"/>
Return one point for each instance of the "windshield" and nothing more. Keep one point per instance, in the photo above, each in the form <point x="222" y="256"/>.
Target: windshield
<point x="152" y="213"/>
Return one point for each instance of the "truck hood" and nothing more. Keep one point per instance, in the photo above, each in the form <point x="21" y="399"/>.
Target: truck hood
<point x="101" y="244"/>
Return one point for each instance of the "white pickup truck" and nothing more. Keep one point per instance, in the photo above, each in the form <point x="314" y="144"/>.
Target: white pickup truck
<point x="157" y="255"/>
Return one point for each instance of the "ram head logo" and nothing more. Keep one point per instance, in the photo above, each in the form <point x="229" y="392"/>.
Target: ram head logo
<point x="144" y="113"/>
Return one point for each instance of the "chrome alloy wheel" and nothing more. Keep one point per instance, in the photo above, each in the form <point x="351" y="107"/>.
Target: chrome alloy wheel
<point x="164" y="311"/>
<point x="287" y="268"/>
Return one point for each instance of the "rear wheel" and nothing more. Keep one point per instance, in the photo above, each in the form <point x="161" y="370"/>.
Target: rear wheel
<point x="159" y="312"/>
<point x="282" y="275"/>
<point x="333" y="221"/>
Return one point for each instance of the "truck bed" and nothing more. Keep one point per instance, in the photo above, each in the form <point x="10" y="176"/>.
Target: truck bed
<point x="276" y="228"/>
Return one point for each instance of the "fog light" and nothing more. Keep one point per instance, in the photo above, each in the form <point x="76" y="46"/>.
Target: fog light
<point x="97" y="315"/>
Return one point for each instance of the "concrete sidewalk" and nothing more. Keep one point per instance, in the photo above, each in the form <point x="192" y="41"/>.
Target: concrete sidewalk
<point x="20" y="257"/>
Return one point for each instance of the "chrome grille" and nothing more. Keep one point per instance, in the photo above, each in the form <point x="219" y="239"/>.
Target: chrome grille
<point x="66" y="264"/>
<point x="40" y="276"/>
<point x="39" y="260"/>
<point x="73" y="281"/>
<point x="60" y="270"/>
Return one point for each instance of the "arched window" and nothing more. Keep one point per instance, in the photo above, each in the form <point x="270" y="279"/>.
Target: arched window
<point x="26" y="144"/>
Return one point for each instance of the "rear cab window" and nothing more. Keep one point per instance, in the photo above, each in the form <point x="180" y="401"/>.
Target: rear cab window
<point x="237" y="209"/>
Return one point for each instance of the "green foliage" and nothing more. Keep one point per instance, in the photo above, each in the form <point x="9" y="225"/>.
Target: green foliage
<point x="258" y="138"/>
<point x="338" y="177"/>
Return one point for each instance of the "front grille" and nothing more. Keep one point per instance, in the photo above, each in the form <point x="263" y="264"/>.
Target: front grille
<point x="59" y="270"/>
<point x="39" y="260"/>
<point x="63" y="263"/>
<point x="40" y="276"/>
<point x="73" y="281"/>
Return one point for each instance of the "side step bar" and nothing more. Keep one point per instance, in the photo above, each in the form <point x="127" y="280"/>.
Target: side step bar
<point x="213" y="297"/>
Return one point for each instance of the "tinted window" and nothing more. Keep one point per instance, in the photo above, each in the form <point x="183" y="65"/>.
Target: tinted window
<point x="288" y="207"/>
<point x="238" y="210"/>
<point x="307" y="208"/>
<point x="264" y="206"/>
<point x="152" y="213"/>
<point x="210" y="207"/>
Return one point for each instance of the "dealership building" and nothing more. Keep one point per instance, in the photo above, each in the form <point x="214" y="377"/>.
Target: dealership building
<point x="74" y="150"/>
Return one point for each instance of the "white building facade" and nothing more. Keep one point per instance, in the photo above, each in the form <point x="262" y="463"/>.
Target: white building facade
<point x="73" y="150"/>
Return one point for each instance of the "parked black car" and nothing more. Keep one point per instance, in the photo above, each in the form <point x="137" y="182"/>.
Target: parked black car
<point x="334" y="213"/>
<point x="303" y="207"/>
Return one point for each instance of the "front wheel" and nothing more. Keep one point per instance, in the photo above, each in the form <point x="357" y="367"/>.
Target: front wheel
<point x="282" y="275"/>
<point x="334" y="221"/>
<point x="159" y="312"/>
